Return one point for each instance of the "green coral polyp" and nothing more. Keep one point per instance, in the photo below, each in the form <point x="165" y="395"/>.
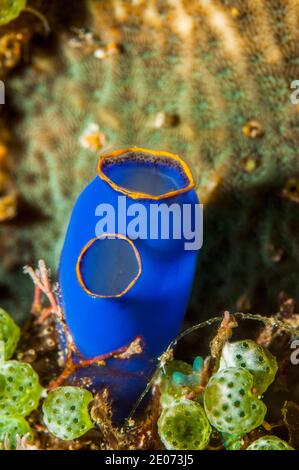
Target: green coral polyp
<point x="184" y="425"/>
<point x="230" y="405"/>
<point x="269" y="443"/>
<point x="9" y="334"/>
<point x="65" y="412"/>
<point x="21" y="389"/>
<point x="251" y="356"/>
<point x="12" y="427"/>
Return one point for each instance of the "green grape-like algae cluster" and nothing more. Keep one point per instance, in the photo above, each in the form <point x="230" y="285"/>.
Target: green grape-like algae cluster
<point x="230" y="404"/>
<point x="9" y="334"/>
<point x="253" y="357"/>
<point x="215" y="402"/>
<point x="12" y="427"/>
<point x="65" y="412"/>
<point x="184" y="425"/>
<point x="20" y="390"/>
<point x="168" y="388"/>
<point x="230" y="401"/>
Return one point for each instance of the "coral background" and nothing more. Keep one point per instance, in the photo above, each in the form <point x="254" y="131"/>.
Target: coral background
<point x="207" y="79"/>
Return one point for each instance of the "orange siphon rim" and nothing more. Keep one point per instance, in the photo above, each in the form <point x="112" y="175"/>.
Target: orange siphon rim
<point x="91" y="242"/>
<point x="156" y="153"/>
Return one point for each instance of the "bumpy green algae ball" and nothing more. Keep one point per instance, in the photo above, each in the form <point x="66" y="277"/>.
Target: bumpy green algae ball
<point x="230" y="405"/>
<point x="170" y="389"/>
<point x="21" y="391"/>
<point x="269" y="443"/>
<point x="184" y="426"/>
<point x="11" y="427"/>
<point x="9" y="331"/>
<point x="253" y="357"/>
<point x="65" y="412"/>
<point x="10" y="9"/>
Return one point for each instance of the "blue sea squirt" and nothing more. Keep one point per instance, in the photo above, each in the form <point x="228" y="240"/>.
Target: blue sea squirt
<point x="125" y="278"/>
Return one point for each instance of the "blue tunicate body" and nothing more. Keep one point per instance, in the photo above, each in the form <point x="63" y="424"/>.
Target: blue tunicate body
<point x="160" y="271"/>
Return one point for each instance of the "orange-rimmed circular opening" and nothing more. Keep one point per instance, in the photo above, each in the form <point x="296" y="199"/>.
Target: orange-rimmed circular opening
<point x="108" y="266"/>
<point x="129" y="170"/>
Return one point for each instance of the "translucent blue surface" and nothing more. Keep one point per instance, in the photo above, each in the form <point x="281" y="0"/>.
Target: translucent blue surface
<point x="152" y="308"/>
